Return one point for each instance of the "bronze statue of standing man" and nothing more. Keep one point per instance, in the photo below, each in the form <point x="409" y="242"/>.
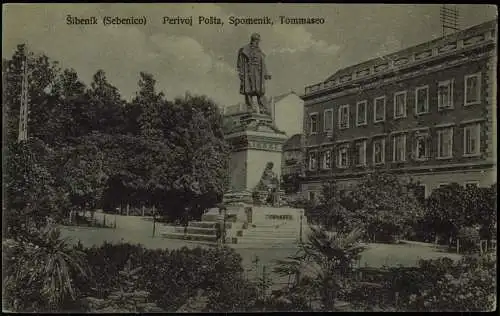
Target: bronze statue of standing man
<point x="253" y="73"/>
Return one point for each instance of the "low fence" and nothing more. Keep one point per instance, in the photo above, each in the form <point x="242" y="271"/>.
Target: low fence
<point x="132" y="211"/>
<point x="91" y="219"/>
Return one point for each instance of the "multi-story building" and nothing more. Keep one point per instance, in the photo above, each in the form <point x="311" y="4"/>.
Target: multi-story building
<point x="427" y="112"/>
<point x="292" y="162"/>
<point x="292" y="158"/>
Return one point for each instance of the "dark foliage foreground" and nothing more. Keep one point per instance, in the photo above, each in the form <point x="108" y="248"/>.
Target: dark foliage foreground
<point x="44" y="272"/>
<point x="434" y="285"/>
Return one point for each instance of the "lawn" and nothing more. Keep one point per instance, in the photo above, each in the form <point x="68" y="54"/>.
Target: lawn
<point x="139" y="230"/>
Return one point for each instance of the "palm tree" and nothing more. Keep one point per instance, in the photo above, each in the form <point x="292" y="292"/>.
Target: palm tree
<point x="46" y="265"/>
<point x="324" y="263"/>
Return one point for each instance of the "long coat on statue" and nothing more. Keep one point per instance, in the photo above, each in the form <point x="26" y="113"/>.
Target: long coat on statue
<point x="251" y="69"/>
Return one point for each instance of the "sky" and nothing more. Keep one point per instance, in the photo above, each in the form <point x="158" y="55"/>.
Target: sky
<point x="202" y="58"/>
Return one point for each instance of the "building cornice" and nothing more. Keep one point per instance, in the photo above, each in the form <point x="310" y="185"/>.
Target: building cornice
<point x="328" y="95"/>
<point x="452" y="45"/>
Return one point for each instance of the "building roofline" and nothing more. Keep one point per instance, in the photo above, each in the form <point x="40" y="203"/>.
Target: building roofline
<point x="443" y="46"/>
<point x="454" y="36"/>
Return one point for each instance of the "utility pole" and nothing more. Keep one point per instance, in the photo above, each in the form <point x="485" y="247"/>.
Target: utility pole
<point x="23" y="111"/>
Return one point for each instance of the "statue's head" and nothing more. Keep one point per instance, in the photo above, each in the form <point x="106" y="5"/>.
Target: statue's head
<point x="270" y="165"/>
<point x="255" y="39"/>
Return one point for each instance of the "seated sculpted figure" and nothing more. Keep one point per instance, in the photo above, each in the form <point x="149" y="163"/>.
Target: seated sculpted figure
<point x="269" y="180"/>
<point x="268" y="184"/>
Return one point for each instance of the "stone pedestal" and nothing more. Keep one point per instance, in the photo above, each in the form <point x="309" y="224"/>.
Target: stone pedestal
<point x="255" y="141"/>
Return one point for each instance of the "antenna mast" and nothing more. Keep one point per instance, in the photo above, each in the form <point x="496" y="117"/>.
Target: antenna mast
<point x="449" y="19"/>
<point x="23" y="112"/>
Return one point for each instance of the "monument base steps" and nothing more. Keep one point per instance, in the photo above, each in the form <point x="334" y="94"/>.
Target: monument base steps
<point x="195" y="237"/>
<point x="196" y="230"/>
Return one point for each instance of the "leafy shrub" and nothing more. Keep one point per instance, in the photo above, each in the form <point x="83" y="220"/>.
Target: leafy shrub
<point x="170" y="277"/>
<point x="468" y="286"/>
<point x="288" y="299"/>
<point x="124" y="298"/>
<point x="469" y="239"/>
<point x="453" y="207"/>
<point x="234" y="294"/>
<point x="435" y="285"/>
<point x="383" y="206"/>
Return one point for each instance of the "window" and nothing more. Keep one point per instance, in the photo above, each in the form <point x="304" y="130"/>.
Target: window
<point x="313" y="160"/>
<point x="379" y="109"/>
<point x="378" y="151"/>
<point x="472" y="89"/>
<point x="445" y="143"/>
<point x="471" y="139"/>
<point x="422" y="144"/>
<point x="342" y="157"/>
<point x="360" y="153"/>
<point x="328" y="120"/>
<point x="445" y="94"/>
<point x="399" y="148"/>
<point x="400" y="104"/>
<point x="422" y="100"/>
<point x="344" y="116"/>
<point x="361" y="113"/>
<point x="314" y="123"/>
<point x="442" y="185"/>
<point x="327" y="159"/>
<point x="312" y="196"/>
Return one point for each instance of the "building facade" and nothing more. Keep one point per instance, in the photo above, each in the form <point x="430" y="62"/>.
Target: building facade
<point x="292" y="158"/>
<point x="427" y="113"/>
<point x="291" y="164"/>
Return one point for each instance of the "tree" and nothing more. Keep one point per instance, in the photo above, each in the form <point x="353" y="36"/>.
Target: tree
<point x="83" y="174"/>
<point x="330" y="210"/>
<point x="134" y="169"/>
<point x="106" y="110"/>
<point x="383" y="205"/>
<point x="453" y="207"/>
<point x="193" y="126"/>
<point x="150" y="102"/>
<point x="31" y="193"/>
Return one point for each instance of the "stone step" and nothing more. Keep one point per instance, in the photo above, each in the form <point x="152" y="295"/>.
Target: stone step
<point x="202" y="224"/>
<point x="275" y="233"/>
<point x="207" y="224"/>
<point x="196" y="230"/>
<point x="255" y="237"/>
<point x="196" y="237"/>
<point x="210" y="217"/>
<point x="274" y="229"/>
<point x="265" y="240"/>
<point x="269" y="237"/>
<point x="274" y="223"/>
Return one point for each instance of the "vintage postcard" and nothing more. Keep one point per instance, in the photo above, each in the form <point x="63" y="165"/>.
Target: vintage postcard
<point x="249" y="157"/>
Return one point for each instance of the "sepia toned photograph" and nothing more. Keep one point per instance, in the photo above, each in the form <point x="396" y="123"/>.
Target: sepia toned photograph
<point x="238" y="157"/>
